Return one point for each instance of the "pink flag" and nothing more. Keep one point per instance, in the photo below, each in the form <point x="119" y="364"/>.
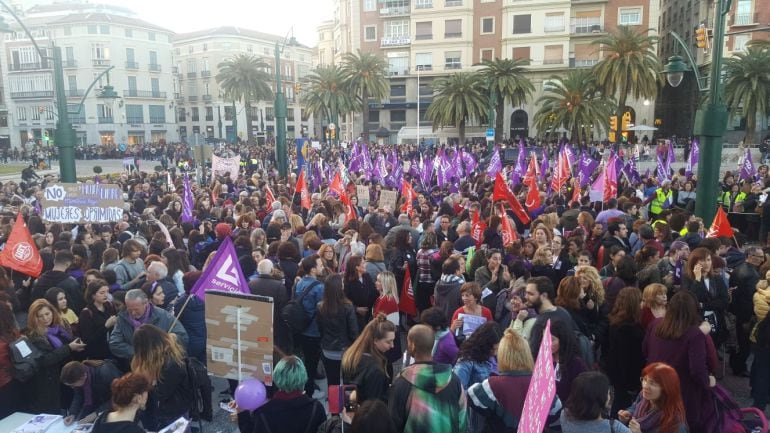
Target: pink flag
<point x="542" y="388"/>
<point x="610" y="180"/>
<point x="223" y="273"/>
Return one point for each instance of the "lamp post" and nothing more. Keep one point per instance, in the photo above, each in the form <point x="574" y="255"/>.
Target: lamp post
<point x="711" y="120"/>
<point x="281" y="155"/>
<point x="64" y="135"/>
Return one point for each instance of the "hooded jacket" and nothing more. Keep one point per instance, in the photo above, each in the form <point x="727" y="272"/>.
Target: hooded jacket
<point x="446" y="294"/>
<point x="64" y="281"/>
<point x="427" y="397"/>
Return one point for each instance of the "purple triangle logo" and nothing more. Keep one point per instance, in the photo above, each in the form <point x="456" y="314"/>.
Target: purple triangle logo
<point x="223" y="273"/>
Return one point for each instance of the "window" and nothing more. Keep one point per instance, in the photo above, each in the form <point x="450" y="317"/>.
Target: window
<point x="305" y="114"/>
<point x="228" y="113"/>
<point x="129" y="33"/>
<point x="423" y="61"/>
<point x="630" y="16"/>
<point x="397" y="28"/>
<point x="398" y="116"/>
<point x="452" y="60"/>
<point x="487" y="54"/>
<point x="398" y="65"/>
<point x="191" y="66"/>
<point x="77" y="113"/>
<point x="181" y="114"/>
<point x="423" y="30"/>
<point x="132" y="86"/>
<point x="453" y="28"/>
<point x="487" y="25"/>
<point x="67" y="31"/>
<point x="370" y="33"/>
<point x="554" y="55"/>
<point x="269" y="114"/>
<point x="36" y="113"/>
<point x="72" y="83"/>
<point x="155" y="87"/>
<point x="49" y="112"/>
<point x="449" y="3"/>
<point x="740" y="41"/>
<point x="151" y="36"/>
<point x="92" y="29"/>
<point x="21" y="113"/>
<point x="586" y="22"/>
<point x="130" y="60"/>
<point x="521" y="53"/>
<point x="104" y="29"/>
<point x="586" y="55"/>
<point x="423" y="4"/>
<point x="100" y="52"/>
<point x="397" y="90"/>
<point x="104" y="112"/>
<point x="209" y="114"/>
<point x="554" y="22"/>
<point x="157" y="114"/>
<point x="290" y="115"/>
<point x="206" y="47"/>
<point x="522" y="24"/>
<point x="743" y="15"/>
<point x="134" y="113"/>
<point x="370" y="5"/>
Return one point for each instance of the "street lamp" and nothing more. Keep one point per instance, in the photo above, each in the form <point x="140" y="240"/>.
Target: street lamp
<point x="281" y="156"/>
<point x="711" y="120"/>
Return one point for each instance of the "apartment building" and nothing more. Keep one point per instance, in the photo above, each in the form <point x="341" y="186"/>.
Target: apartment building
<point x="92" y="38"/>
<point x="428" y="39"/>
<point x="202" y="107"/>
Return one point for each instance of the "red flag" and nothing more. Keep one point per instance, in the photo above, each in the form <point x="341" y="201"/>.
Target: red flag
<point x="576" y="193"/>
<point x="20" y="252"/>
<point x="508" y="233"/>
<point x="336" y="185"/>
<point x="561" y="173"/>
<point x="502" y="192"/>
<point x="350" y="211"/>
<point x="406" y="303"/>
<point x="611" y="181"/>
<point x="477" y="228"/>
<point x="269" y="195"/>
<point x="719" y="228"/>
<point x="533" y="194"/>
<point x="304" y="196"/>
<point x="408" y="193"/>
<point x="531" y="170"/>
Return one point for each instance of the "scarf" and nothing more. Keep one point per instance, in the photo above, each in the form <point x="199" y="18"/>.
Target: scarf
<point x="57" y="335"/>
<point x="648" y="417"/>
<point x="142" y="320"/>
<point x="88" y="397"/>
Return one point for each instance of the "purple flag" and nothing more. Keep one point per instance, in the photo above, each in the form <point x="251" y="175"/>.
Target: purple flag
<point x="692" y="161"/>
<point x="366" y="160"/>
<point x="316" y="177"/>
<point x="544" y="166"/>
<point x="571" y="155"/>
<point x="187" y="201"/>
<point x="521" y="164"/>
<point x="632" y="172"/>
<point x="414" y="169"/>
<point x="495" y="164"/>
<point x="663" y="168"/>
<point x="671" y="157"/>
<point x="586" y="169"/>
<point x="355" y="158"/>
<point x="470" y="162"/>
<point x="379" y="172"/>
<point x="427" y="172"/>
<point x="223" y="273"/>
<point x="748" y="170"/>
<point x="441" y="164"/>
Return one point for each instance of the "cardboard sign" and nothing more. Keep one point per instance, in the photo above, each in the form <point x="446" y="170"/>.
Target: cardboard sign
<point x="82" y="203"/>
<point x="256" y="345"/>
<point x="226" y="165"/>
<point x="388" y="199"/>
<point x="362" y="192"/>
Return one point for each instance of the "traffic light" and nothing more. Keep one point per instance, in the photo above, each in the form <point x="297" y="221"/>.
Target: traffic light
<point x="613" y="123"/>
<point x="626" y="121"/>
<point x="297" y="87"/>
<point x="701" y="37"/>
<point x="45" y="136"/>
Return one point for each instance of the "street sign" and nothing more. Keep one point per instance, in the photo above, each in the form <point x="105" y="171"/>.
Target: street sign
<point x="490" y="134"/>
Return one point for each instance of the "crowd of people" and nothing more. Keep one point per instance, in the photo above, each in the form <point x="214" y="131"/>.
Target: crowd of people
<point x="432" y="310"/>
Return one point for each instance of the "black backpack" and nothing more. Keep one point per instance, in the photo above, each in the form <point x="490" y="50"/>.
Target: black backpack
<point x="200" y="385"/>
<point x="25" y="357"/>
<point x="294" y="313"/>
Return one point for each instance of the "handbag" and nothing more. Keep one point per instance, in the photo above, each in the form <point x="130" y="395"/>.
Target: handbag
<point x="25" y="357"/>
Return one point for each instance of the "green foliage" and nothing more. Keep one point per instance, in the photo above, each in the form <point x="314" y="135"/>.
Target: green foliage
<point x="458" y="98"/>
<point x="747" y="86"/>
<point x="328" y="93"/>
<point x="506" y="78"/>
<point x="366" y="76"/>
<point x="244" y="78"/>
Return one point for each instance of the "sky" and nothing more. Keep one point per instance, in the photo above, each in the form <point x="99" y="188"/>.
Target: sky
<point x="269" y="16"/>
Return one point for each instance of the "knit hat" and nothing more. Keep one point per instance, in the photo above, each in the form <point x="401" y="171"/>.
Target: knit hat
<point x="222" y="230"/>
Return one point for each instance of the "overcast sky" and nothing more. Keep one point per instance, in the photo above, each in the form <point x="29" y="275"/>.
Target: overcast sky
<point x="269" y="16"/>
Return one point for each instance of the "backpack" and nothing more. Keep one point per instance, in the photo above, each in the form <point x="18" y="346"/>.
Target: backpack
<point x="200" y="383"/>
<point x="25" y="357"/>
<point x="294" y="313"/>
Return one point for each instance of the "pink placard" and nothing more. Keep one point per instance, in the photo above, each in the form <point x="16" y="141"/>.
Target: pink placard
<point x="541" y="390"/>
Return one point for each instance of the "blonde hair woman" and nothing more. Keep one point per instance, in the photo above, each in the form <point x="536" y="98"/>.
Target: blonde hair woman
<point x="593" y="300"/>
<point x="364" y="362"/>
<point x="387" y="303"/>
<point x="654" y="301"/>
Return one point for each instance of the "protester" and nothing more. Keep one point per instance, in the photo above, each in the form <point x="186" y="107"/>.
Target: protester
<point x="312" y="290"/>
<point x="9" y="387"/>
<point x="624" y="360"/>
<point x="338" y="326"/>
<point x="364" y="363"/>
<point x="587" y="404"/>
<point x="129" y="396"/>
<point x="91" y="380"/>
<point x="659" y="407"/>
<point x="96" y="320"/>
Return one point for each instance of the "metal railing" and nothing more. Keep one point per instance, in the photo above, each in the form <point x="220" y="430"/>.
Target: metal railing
<point x="135" y="119"/>
<point x="205" y="74"/>
<point x="744" y="19"/>
<point x="207" y="98"/>
<point x="154" y="67"/>
<point x="192" y="98"/>
<point x="38" y="94"/>
<point x="132" y="65"/>
<point x="108" y="119"/>
<point x="395" y="41"/>
<point x="28" y="66"/>
<point x="101" y="62"/>
<point x="69" y="63"/>
<point x="131" y="93"/>
<point x="394" y="11"/>
<point x="157" y="119"/>
<point x="192" y="74"/>
<point x="453" y="3"/>
<point x="424" y="37"/>
<point x="453" y="35"/>
<point x="75" y="93"/>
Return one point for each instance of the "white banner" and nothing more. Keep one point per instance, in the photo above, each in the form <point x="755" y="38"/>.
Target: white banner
<point x="226" y="165"/>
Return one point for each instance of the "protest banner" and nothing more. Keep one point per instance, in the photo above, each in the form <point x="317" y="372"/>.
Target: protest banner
<point x="222" y="273"/>
<point x="82" y="203"/>
<point x="542" y="388"/>
<point x="388" y="199"/>
<point x="362" y="192"/>
<point x="220" y="166"/>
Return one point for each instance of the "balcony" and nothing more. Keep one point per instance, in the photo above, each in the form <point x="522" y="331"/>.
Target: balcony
<point x="453" y="35"/>
<point x="395" y="41"/>
<point x="101" y="62"/>
<point x="585" y="26"/>
<point x="206" y="98"/>
<point x="205" y="74"/>
<point x="192" y="98"/>
<point x="131" y="93"/>
<point x="423" y="4"/>
<point x="449" y="3"/>
<point x="423" y="68"/>
<point x="135" y="119"/>
<point x="452" y="66"/>
<point x="179" y="97"/>
<point x="174" y="70"/>
<point x="192" y="74"/>
<point x="744" y="19"/>
<point x="553" y="61"/>
<point x="395" y="11"/>
<point x="153" y="67"/>
<point x="157" y="119"/>
<point x="132" y="65"/>
<point x="424" y="37"/>
<point x="39" y="94"/>
<point x="398" y="73"/>
<point x="582" y="63"/>
<point x="75" y="93"/>
<point x="69" y="63"/>
<point x="107" y="119"/>
<point x="16" y="67"/>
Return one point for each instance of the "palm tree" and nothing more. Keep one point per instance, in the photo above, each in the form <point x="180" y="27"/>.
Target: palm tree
<point x="366" y="75"/>
<point x="747" y="86"/>
<point x="630" y="67"/>
<point x="575" y="104"/>
<point x="506" y="78"/>
<point x="327" y="93"/>
<point x="458" y="97"/>
<point x="244" y="78"/>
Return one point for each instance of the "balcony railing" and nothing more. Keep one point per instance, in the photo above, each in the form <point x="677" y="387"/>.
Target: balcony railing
<point x="553" y="61"/>
<point x="452" y="66"/>
<point x="28" y="66"/>
<point x="39" y="94"/>
<point x="178" y="97"/>
<point x="130" y="93"/>
<point x="423" y="5"/>
<point x="453" y="35"/>
<point x="108" y="119"/>
<point x="154" y="67"/>
<point x="101" y="62"/>
<point x="580" y="26"/>
<point x="423" y="37"/>
<point x="75" y="93"/>
<point x="395" y="41"/>
<point x="132" y="65"/>
<point x="157" y="119"/>
<point x="584" y="63"/>
<point x="69" y="63"/>
<point x="423" y="68"/>
<point x="394" y="11"/>
<point x="453" y="3"/>
<point x="192" y="74"/>
<point x="192" y="98"/>
<point x="135" y="119"/>
<point x="205" y="74"/>
<point x="744" y="19"/>
<point x="174" y="70"/>
<point x="207" y="98"/>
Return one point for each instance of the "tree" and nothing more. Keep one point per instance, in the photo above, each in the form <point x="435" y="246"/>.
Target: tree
<point x="244" y="78"/>
<point x="506" y="78"/>
<point x="747" y="86"/>
<point x="458" y="97"/>
<point x="327" y="93"/>
<point x="575" y="104"/>
<point x="366" y="75"/>
<point x="630" y="67"/>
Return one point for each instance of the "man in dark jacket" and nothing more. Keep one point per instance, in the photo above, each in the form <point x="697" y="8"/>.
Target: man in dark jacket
<point x="744" y="279"/>
<point x="446" y="294"/>
<point x="267" y="285"/>
<point x="90" y="381"/>
<point x="426" y="397"/>
<point x="617" y="235"/>
<point x="58" y="277"/>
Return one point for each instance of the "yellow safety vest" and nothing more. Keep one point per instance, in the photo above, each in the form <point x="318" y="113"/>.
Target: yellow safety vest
<point x="656" y="206"/>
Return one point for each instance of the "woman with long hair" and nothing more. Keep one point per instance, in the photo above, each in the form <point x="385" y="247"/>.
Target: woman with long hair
<point x="360" y="289"/>
<point x="387" y="302"/>
<point x="625" y="276"/>
<point x="567" y="361"/>
<point x="375" y="260"/>
<point x="364" y="363"/>
<point x="493" y="276"/>
<point x="658" y="407"/>
<point x="58" y="299"/>
<point x="338" y="326"/>
<point x="542" y="265"/>
<point x="710" y="291"/>
<point x="476" y="362"/>
<point x="158" y="356"/>
<point x="9" y="387"/>
<point x="678" y="341"/>
<point x="175" y="263"/>
<point x="593" y="308"/>
<point x="647" y="259"/>
<point x="46" y="331"/>
<point x="568" y="296"/>
<point x="654" y="300"/>
<point x="542" y="236"/>
<point x="403" y="257"/>
<point x="623" y="359"/>
<point x="129" y="396"/>
<point x="97" y="319"/>
<point x="329" y="259"/>
<point x="586" y="407"/>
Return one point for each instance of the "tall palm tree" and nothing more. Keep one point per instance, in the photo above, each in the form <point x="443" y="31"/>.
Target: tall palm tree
<point x="327" y="93"/>
<point x="366" y="75"/>
<point x="458" y="98"/>
<point x="244" y="78"/>
<point x="506" y="78"/>
<point x="747" y="86"/>
<point x="575" y="104"/>
<point x="630" y="67"/>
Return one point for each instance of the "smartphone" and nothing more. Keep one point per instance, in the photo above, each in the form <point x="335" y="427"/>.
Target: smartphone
<point x="339" y="397"/>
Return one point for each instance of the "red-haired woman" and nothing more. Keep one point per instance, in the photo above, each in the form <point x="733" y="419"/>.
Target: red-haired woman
<point x="659" y="407"/>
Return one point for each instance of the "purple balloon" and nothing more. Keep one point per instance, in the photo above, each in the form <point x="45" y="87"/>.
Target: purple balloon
<point x="250" y="394"/>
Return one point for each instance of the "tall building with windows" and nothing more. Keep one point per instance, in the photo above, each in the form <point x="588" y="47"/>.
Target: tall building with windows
<point x="423" y="40"/>
<point x="201" y="105"/>
<point x="92" y="38"/>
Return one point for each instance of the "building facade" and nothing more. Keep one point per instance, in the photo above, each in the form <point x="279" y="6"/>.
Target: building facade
<point x="92" y="39"/>
<point x="203" y="108"/>
<point x="423" y="40"/>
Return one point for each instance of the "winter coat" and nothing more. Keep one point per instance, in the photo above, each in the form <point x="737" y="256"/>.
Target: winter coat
<point x="93" y="332"/>
<point x="266" y="285"/>
<point x="122" y="335"/>
<point x="446" y="295"/>
<point x="284" y="413"/>
<point x="44" y="392"/>
<point x="371" y="381"/>
<point x="339" y="331"/>
<point x="101" y="380"/>
<point x="62" y="280"/>
<point x="362" y="293"/>
<point x="193" y="319"/>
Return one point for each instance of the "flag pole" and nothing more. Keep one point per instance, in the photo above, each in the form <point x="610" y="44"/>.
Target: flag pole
<point x="176" y="318"/>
